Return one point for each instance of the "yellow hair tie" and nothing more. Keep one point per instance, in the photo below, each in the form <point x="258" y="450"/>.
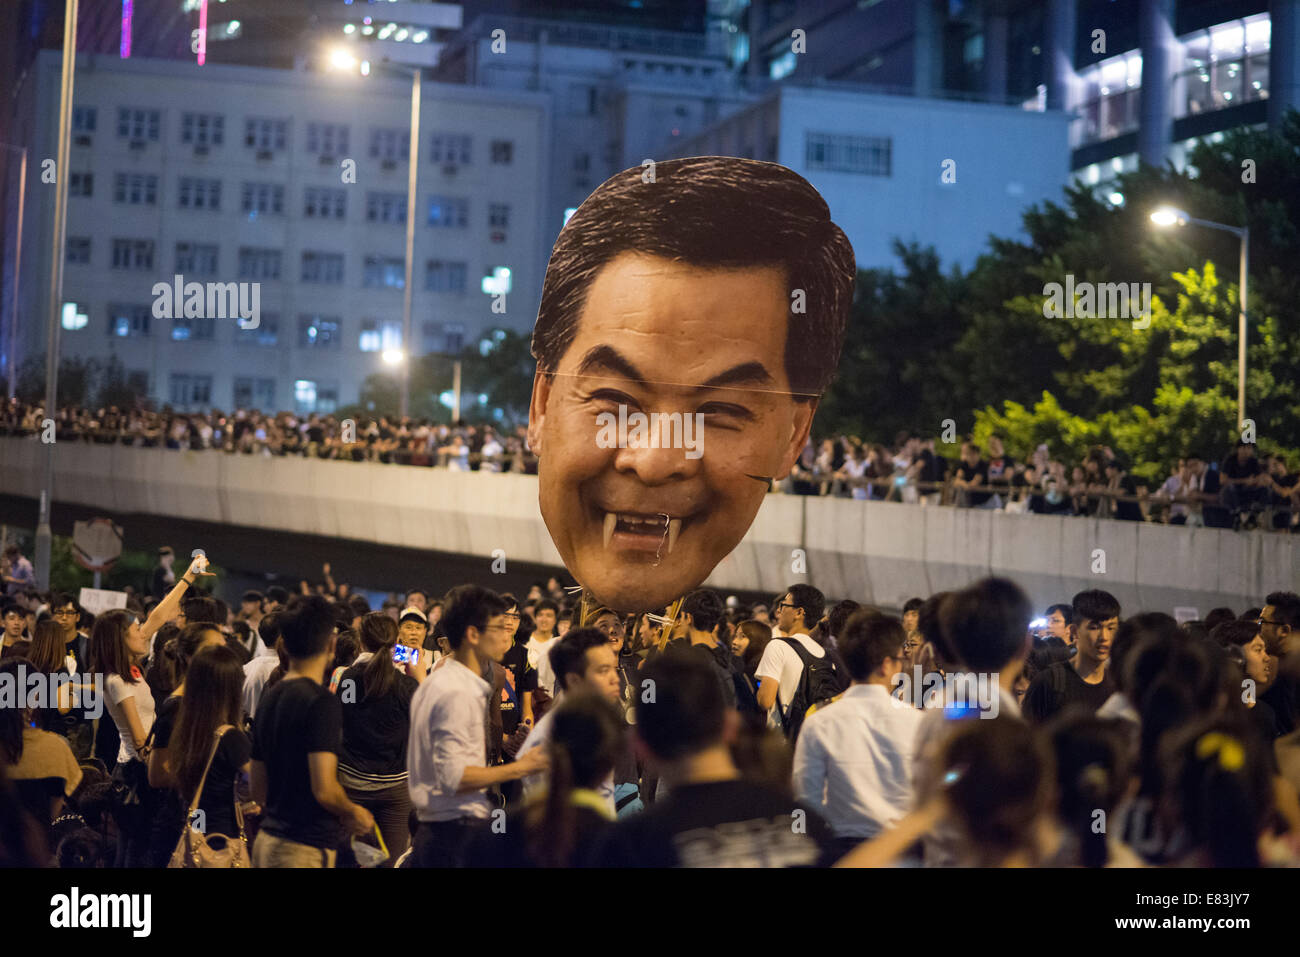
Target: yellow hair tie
<point x="1231" y="755"/>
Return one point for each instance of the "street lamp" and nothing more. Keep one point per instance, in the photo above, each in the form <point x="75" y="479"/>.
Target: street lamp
<point x="1167" y="216"/>
<point x="18" y="265"/>
<point x="341" y="59"/>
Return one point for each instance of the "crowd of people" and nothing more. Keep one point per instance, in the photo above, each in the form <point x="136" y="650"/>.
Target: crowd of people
<point x="473" y="728"/>
<point x="1243" y="490"/>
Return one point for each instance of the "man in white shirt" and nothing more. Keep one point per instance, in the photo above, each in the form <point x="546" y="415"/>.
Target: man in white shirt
<point x="541" y="642"/>
<point x="446" y="756"/>
<point x="853" y="759"/>
<point x="780" y="668"/>
<point x="259" y="668"/>
<point x="584" y="658"/>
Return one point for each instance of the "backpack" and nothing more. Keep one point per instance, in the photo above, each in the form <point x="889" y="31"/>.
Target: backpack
<point x="819" y="682"/>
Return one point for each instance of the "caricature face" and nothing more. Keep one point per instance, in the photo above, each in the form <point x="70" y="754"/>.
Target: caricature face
<point x="640" y="526"/>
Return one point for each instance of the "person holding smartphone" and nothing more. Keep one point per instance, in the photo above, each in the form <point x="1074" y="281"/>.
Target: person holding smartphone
<point x="376" y="695"/>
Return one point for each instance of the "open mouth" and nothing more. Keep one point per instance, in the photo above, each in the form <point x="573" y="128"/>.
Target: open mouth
<point x="639" y="531"/>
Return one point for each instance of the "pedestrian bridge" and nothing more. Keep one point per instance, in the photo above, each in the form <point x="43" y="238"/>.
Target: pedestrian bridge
<point x="881" y="552"/>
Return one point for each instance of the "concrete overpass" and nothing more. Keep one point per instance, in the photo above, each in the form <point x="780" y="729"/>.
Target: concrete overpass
<point x="879" y="552"/>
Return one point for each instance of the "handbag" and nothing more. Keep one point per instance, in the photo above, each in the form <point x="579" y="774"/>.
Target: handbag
<point x="197" y="849"/>
<point x="132" y="798"/>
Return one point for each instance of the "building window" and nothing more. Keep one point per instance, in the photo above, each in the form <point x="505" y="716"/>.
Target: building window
<point x="442" y="275"/>
<point x="327" y="139"/>
<point x="198" y="328"/>
<point x="312" y="396"/>
<point x="81" y="184"/>
<point x="1110" y="99"/>
<point x="390" y="146"/>
<point x="449" y="148"/>
<point x="324" y="202"/>
<point x="128" y="321"/>
<point x="503" y="152"/>
<point x="386" y="207"/>
<point x="189" y="390"/>
<point x="263" y="133"/>
<point x="444" y="337"/>
<point x="250" y="393"/>
<point x="83" y="119"/>
<point x="196" y="259"/>
<point x="318" y="332"/>
<point x="449" y="212"/>
<point x="135" y="189"/>
<point x="868" y="155"/>
<point x="138" y="125"/>
<point x="73" y="317"/>
<point x="78" y="251"/>
<point x="132" y="254"/>
<point x="380" y="335"/>
<point x="258" y="264"/>
<point x="1225" y="65"/>
<point x="265" y="333"/>
<point x="196" y="193"/>
<point x="263" y="199"/>
<point x="384" y="272"/>
<point x="322" y="267"/>
<point x="202" y="129"/>
<point x="498" y="215"/>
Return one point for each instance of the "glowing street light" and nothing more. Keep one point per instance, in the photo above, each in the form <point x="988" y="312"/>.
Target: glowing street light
<point x="393" y="356"/>
<point x="1167" y="216"/>
<point x="341" y="59"/>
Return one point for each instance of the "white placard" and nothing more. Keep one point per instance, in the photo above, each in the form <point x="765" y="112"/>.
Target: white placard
<point x="99" y="600"/>
<point x="1186" y="613"/>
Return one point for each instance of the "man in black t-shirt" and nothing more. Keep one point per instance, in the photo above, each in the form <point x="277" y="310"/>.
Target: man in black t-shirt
<point x="1245" y="485"/>
<point x="710" y="817"/>
<point x="1084" y="679"/>
<point x="972" y="473"/>
<point x="296" y="742"/>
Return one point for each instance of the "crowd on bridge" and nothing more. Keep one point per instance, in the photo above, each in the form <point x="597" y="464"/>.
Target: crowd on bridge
<point x="472" y="728"/>
<point x="1238" y="489"/>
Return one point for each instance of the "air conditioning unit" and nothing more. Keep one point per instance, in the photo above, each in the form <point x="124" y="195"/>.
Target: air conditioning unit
<point x="449" y="169"/>
<point x="265" y="154"/>
<point x="83" y="139"/>
<point x="200" y="150"/>
<point x="388" y="165"/>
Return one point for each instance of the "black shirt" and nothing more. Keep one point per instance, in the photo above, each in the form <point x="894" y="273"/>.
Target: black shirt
<point x="520" y="678"/>
<point x="509" y="847"/>
<point x="1234" y="469"/>
<point x="721" y="824"/>
<point x="1060" y="686"/>
<point x="967" y="473"/>
<point x="1283" y="696"/>
<point x="375" y="728"/>
<point x="296" y="718"/>
<point x="218" y="799"/>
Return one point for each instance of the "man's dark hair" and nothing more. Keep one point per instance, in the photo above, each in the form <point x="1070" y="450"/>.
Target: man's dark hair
<point x="1132" y="632"/>
<point x="202" y="608"/>
<point x="869" y="638"/>
<point x="985" y="625"/>
<point x="12" y="607"/>
<point x="278" y="595"/>
<point x="686" y="713"/>
<point x="913" y="604"/>
<point x="268" y="629"/>
<point x="545" y="603"/>
<point x="1286" y="607"/>
<point x="927" y="623"/>
<point x="306" y="626"/>
<point x="1067" y="612"/>
<point x="812" y="601"/>
<point x="418" y="591"/>
<point x="252" y="595"/>
<point x="840" y="615"/>
<point x="1094" y="605"/>
<point x="468" y="606"/>
<point x="569" y="654"/>
<point x="61" y="599"/>
<point x="358" y="605"/>
<point x="712" y="212"/>
<point x="1218" y="616"/>
<point x="706" y="608"/>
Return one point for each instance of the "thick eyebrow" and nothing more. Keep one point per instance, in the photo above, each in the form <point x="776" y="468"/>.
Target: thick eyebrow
<point x="607" y="359"/>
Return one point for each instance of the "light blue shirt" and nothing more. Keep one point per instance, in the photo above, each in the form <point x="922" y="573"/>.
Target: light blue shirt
<point x="448" y="735"/>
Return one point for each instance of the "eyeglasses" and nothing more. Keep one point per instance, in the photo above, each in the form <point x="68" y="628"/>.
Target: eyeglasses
<point x="784" y="604"/>
<point x="511" y="614"/>
<point x="65" y="613"/>
<point x="1265" y="621"/>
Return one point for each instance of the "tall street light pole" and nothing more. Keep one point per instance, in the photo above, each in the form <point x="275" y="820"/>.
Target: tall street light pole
<point x="44" y="537"/>
<point x="18" y="266"/>
<point x="1169" y="216"/>
<point x="412" y="176"/>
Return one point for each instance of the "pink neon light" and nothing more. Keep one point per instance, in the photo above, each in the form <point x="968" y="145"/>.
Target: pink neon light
<point x="125" y="50"/>
<point x="203" y="31"/>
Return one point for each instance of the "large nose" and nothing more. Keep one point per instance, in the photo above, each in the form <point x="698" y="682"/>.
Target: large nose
<point x="660" y="452"/>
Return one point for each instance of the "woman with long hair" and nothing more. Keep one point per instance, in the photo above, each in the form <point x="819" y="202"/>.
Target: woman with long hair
<point x="376" y="697"/>
<point x="49" y="656"/>
<point x="213" y="691"/>
<point x="40" y="764"/>
<point x="561" y="829"/>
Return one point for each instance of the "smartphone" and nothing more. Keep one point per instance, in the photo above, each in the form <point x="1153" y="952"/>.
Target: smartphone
<point x="404" y="654"/>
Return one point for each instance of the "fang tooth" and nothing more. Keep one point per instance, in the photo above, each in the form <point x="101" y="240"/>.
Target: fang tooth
<point x="674" y="528"/>
<point x="611" y="519"/>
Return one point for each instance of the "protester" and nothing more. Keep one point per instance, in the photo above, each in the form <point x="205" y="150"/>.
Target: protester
<point x="1084" y="680"/>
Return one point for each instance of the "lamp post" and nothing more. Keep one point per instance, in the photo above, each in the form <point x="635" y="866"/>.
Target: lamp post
<point x="1167" y="216"/>
<point x="18" y="266"/>
<point x="341" y="59"/>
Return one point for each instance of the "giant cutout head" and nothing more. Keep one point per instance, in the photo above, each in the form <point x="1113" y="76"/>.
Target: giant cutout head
<point x="690" y="320"/>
